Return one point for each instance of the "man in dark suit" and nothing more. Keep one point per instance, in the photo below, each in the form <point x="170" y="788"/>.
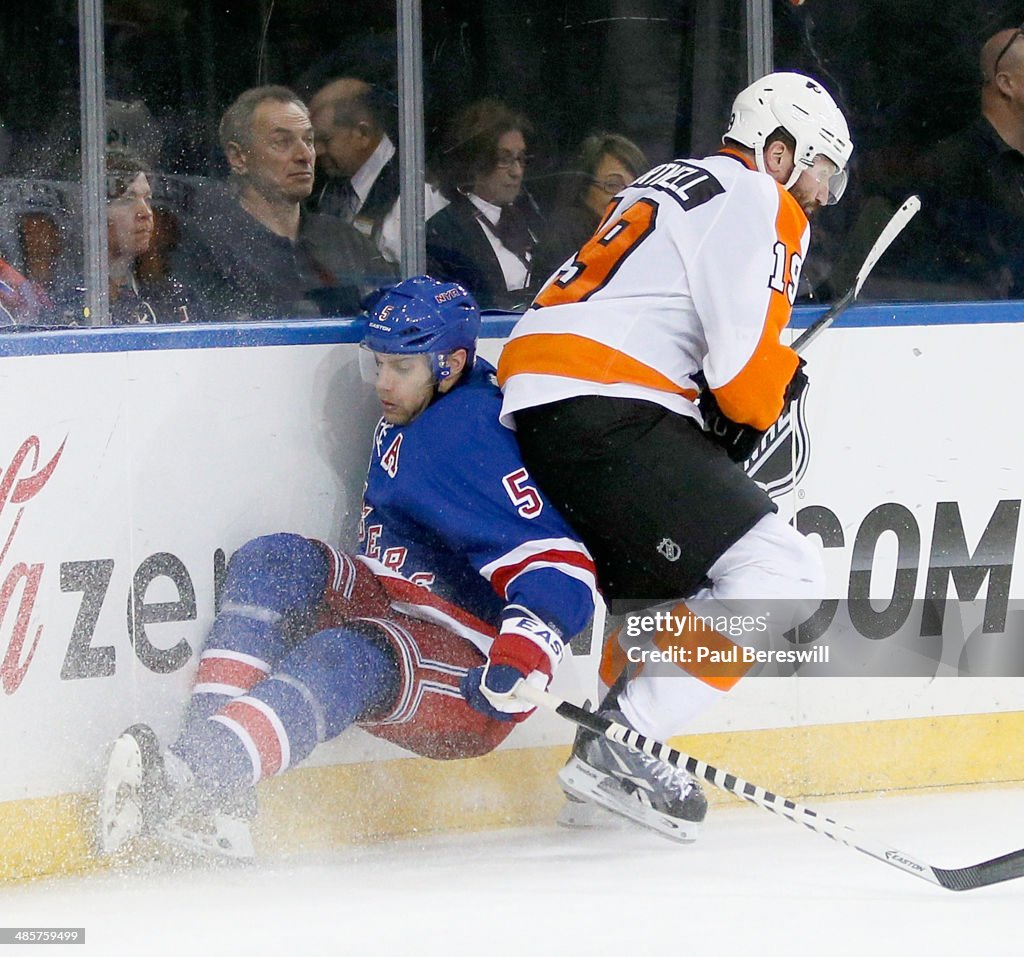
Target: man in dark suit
<point x="357" y="164"/>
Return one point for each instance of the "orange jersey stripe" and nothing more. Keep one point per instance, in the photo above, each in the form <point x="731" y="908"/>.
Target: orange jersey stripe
<point x="577" y="357"/>
<point x="736" y="154"/>
<point x="754" y="396"/>
<point x="699" y="645"/>
<point x="613" y="659"/>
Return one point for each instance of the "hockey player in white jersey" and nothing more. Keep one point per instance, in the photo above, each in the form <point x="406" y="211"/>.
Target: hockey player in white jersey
<point x="648" y="367"/>
<point x="467" y="581"/>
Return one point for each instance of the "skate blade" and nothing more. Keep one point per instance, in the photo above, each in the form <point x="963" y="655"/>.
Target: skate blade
<point x="120" y="818"/>
<point x="584" y="814"/>
<point x="208" y="845"/>
<point x="586" y="784"/>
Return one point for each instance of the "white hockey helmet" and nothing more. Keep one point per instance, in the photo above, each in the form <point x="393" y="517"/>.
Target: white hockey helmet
<point x="806" y="111"/>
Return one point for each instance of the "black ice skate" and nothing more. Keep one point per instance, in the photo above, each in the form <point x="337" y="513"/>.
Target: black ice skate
<point x="581" y="814"/>
<point x="644" y="789"/>
<point x="148" y="793"/>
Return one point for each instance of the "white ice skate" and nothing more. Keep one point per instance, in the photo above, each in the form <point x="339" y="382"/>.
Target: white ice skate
<point x="131" y="789"/>
<point x="149" y="793"/>
<point x="217" y="830"/>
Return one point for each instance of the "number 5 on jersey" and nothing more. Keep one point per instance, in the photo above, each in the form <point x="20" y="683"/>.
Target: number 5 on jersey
<point x="525" y="497"/>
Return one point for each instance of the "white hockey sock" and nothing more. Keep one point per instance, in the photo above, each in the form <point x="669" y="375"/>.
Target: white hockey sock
<point x="662" y="705"/>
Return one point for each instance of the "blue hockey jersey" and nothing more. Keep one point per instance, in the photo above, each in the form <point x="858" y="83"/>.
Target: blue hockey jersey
<point x="450" y="506"/>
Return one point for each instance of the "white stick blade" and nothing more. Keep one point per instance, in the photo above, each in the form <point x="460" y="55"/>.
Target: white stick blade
<point x="893" y="228"/>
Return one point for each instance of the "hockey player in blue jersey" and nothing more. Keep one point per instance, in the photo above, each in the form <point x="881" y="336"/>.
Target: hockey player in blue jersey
<point x="467" y="582"/>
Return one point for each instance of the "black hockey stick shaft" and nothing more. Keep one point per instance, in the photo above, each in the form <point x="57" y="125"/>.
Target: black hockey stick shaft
<point x="890" y="231"/>
<point x="823" y="321"/>
<point x="1005" y="868"/>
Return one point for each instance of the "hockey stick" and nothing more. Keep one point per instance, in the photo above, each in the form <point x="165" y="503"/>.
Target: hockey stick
<point x="1004" y="868"/>
<point x="892" y="229"/>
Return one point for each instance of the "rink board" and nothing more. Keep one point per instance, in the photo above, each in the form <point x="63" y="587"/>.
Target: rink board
<point x="131" y="468"/>
<point x="318" y="807"/>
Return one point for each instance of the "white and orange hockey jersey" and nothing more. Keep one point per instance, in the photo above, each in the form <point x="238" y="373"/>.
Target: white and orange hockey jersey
<point x="693" y="269"/>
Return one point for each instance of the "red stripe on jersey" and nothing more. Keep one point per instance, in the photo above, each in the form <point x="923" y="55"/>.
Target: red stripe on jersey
<point x="230" y="672"/>
<point x="401" y="589"/>
<point x="340" y="570"/>
<point x="261" y="732"/>
<point x="501" y="577"/>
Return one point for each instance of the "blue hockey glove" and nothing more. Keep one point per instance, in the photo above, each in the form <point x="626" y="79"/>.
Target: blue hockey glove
<point x="526" y="649"/>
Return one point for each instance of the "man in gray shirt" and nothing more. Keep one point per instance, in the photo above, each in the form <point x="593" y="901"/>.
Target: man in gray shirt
<point x="249" y="250"/>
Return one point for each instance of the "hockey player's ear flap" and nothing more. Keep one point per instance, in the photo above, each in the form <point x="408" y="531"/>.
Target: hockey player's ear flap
<point x="451" y="366"/>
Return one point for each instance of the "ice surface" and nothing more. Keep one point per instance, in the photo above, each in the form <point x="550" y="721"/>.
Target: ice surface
<point x="754" y="883"/>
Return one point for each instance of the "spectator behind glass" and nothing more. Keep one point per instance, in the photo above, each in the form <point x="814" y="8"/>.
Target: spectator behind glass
<point x="250" y="251"/>
<point x="22" y="301"/>
<point x="357" y="172"/>
<point x="605" y="165"/>
<point x="968" y="240"/>
<point x="135" y="298"/>
<point x="485" y="238"/>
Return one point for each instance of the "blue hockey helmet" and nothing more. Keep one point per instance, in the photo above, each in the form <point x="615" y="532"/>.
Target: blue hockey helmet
<point x="424" y="316"/>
